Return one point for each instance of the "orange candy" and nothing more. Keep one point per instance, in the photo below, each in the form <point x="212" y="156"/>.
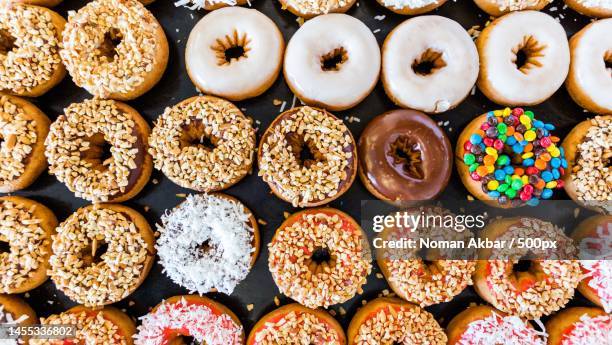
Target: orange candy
<point x="489" y="160"/>
<point x="519" y="171"/>
<point x="528" y="148"/>
<point x="482" y="170"/>
<point x="510" y="131"/>
<point x="480" y="132"/>
<point x="518" y="136"/>
<point x="555" y="139"/>
<point x="540" y="164"/>
<point x="545" y="157"/>
<point x="540" y="184"/>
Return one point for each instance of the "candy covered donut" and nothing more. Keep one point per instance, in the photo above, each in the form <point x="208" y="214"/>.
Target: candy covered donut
<point x="524" y="58"/>
<point x="311" y="8"/>
<point x="510" y="158"/>
<point x="30" y="37"/>
<point x="497" y="8"/>
<point x="580" y="326"/>
<point x="332" y="61"/>
<point x="411" y="7"/>
<point x="200" y="318"/>
<point x="114" y="49"/>
<point x="234" y="53"/>
<point x="590" y="76"/>
<point x="443" y="64"/>
<point x="294" y="322"/>
<point x="592" y="8"/>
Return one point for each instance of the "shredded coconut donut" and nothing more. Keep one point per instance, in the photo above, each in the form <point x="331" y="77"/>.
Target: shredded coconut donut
<point x="297" y="328"/>
<point x="35" y="58"/>
<point x="223" y="225"/>
<point x="517" y="5"/>
<point x="195" y="166"/>
<point x="590" y="331"/>
<point x="198" y="320"/>
<point x="412" y="4"/>
<point x="199" y="4"/>
<point x="495" y="329"/>
<point x="315" y="7"/>
<point x="597" y="250"/>
<point x="596" y="3"/>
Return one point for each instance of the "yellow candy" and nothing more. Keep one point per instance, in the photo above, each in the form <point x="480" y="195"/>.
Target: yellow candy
<point x="525" y="120"/>
<point x="525" y="179"/>
<point x="507" y="111"/>
<point x="555" y="153"/>
<point x="529" y="135"/>
<point x="491" y="151"/>
<point x="527" y="155"/>
<point x="498" y="112"/>
<point x="492" y="185"/>
<point x="551" y="184"/>
<point x="490" y="168"/>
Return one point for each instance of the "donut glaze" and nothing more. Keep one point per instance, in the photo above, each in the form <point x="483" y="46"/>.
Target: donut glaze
<point x="592" y="8"/>
<point x="544" y="43"/>
<point x="440" y="43"/>
<point x="215" y="71"/>
<point x="389" y="174"/>
<point x="308" y="66"/>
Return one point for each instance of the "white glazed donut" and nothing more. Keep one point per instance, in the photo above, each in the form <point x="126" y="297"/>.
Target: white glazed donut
<point x="589" y="81"/>
<point x="234" y="53"/>
<point x="332" y="61"/>
<point x="592" y="8"/>
<point x="532" y="34"/>
<point x="430" y="63"/>
<point x="411" y="7"/>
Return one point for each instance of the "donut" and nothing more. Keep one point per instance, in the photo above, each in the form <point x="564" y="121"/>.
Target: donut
<point x="524" y="58"/>
<point x="293" y="322"/>
<point x="27" y="227"/>
<point x="411" y="7"/>
<point x="43" y="3"/>
<point x="203" y="143"/>
<point x="332" y="62"/>
<point x="234" y="53"/>
<point x="204" y="320"/>
<point x="210" y="5"/>
<point x="106" y="325"/>
<point x="404" y="156"/>
<point x="78" y="152"/>
<point x="13" y="310"/>
<point x="421" y="282"/>
<point x="319" y="257"/>
<point x="386" y="320"/>
<point x="23" y="128"/>
<point x="101" y="254"/>
<point x="588" y="148"/>
<point x="544" y="287"/>
<point x="30" y="36"/>
<point x="509" y="158"/>
<point x="497" y="8"/>
<point x="444" y="64"/>
<point x="207" y="243"/>
<point x="114" y="49"/>
<point x="589" y="81"/>
<point x="579" y="326"/>
<point x="593" y="236"/>
<point x="484" y="325"/>
<point x="592" y="8"/>
<point x="308" y="157"/>
<point x="311" y="8"/>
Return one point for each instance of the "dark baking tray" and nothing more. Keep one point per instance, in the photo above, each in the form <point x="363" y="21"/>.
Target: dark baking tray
<point x="258" y="288"/>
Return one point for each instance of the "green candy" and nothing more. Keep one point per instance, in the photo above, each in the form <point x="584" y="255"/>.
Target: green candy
<point x="503" y="160"/>
<point x="469" y="158"/>
<point x="474" y="166"/>
<point x="511" y="193"/>
<point x="517" y="184"/>
<point x="508" y="179"/>
<point x="529" y="113"/>
<point x="502" y="128"/>
<point x="502" y="137"/>
<point x="502" y="188"/>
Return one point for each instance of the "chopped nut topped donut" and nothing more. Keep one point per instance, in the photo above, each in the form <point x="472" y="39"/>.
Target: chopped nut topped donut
<point x="319" y="257"/>
<point x="101" y="254"/>
<point x="30" y="63"/>
<point x="75" y="148"/>
<point x="308" y="157"/>
<point x="203" y="143"/>
<point x="114" y="48"/>
<point x="27" y="227"/>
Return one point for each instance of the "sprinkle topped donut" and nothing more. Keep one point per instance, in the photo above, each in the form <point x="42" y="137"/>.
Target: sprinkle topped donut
<point x="511" y="157"/>
<point x="498" y="7"/>
<point x="311" y="8"/>
<point x="580" y="326"/>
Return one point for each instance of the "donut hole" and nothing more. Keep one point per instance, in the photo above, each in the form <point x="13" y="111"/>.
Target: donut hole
<point x="108" y="47"/>
<point x="93" y="254"/>
<point x="196" y="135"/>
<point x="333" y="60"/>
<point x="204" y="247"/>
<point x="527" y="54"/>
<point x="321" y="259"/>
<point x="428" y="63"/>
<point x="522" y="266"/>
<point x="406" y="153"/>
<point x="231" y="48"/>
<point x="304" y="151"/>
<point x="7" y="42"/>
<point x="608" y="62"/>
<point x="5" y="247"/>
<point x="187" y="340"/>
<point x="99" y="153"/>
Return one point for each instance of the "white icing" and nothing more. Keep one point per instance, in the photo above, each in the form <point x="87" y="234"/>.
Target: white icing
<point x="511" y="85"/>
<point x="445" y="87"/>
<point x="588" y="66"/>
<point x="498" y="330"/>
<point x="247" y="75"/>
<point x="596" y="252"/>
<point x="336" y="89"/>
<point x="605" y="4"/>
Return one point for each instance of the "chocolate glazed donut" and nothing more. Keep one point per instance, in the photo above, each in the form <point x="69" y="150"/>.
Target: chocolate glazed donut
<point x="404" y="156"/>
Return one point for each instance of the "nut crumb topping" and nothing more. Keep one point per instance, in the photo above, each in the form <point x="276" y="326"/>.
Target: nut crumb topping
<point x="90" y="329"/>
<point x="18" y="133"/>
<point x="296" y="328"/>
<point x="316" y="6"/>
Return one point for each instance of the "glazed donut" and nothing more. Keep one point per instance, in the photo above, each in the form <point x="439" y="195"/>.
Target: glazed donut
<point x="404" y="156"/>
<point x="444" y="64"/>
<point x="204" y="320"/>
<point x="483" y="325"/>
<point x="23" y="128"/>
<point x="27" y="227"/>
<point x="593" y="236"/>
<point x="75" y="149"/>
<point x="579" y="326"/>
<point x="545" y="287"/>
<point x="332" y="62"/>
<point x="13" y="310"/>
<point x="30" y="36"/>
<point x="312" y="178"/>
<point x="508" y="158"/>
<point x="497" y="8"/>
<point x="410" y="276"/>
<point x="234" y="53"/>
<point x="208" y="242"/>
<point x="412" y="7"/>
<point x="177" y="147"/>
<point x="524" y="58"/>
<point x="292" y="323"/>
<point x="311" y="8"/>
<point x="387" y="320"/>
<point x="106" y="325"/>
<point x="592" y="8"/>
<point x="319" y="257"/>
<point x="114" y="49"/>
<point x="210" y="5"/>
<point x="101" y="254"/>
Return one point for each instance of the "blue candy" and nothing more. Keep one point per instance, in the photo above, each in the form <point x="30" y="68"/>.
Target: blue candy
<point x="509" y="170"/>
<point x="494" y="194"/>
<point x="547" y="176"/>
<point x="549" y="126"/>
<point x="500" y="174"/>
<point x="538" y="124"/>
<point x="533" y="202"/>
<point x="510" y="141"/>
<point x="475" y="139"/>
<point x="555" y="162"/>
<point x="528" y="162"/>
<point x="556" y="174"/>
<point x="564" y="163"/>
<point x="517" y="148"/>
<point x="546" y="193"/>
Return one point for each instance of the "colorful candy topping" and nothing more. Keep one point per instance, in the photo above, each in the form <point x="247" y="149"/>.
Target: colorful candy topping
<point x="503" y="330"/>
<point x="515" y="157"/>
